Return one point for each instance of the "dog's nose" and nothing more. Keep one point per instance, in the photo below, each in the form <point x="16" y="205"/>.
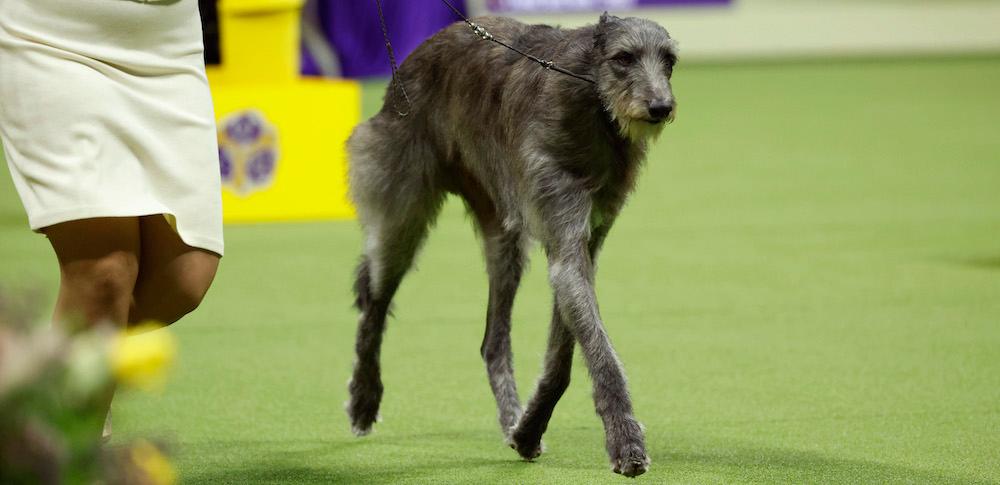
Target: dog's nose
<point x="660" y="110"/>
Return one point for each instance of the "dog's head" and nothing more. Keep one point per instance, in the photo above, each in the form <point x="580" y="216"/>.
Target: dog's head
<point x="634" y="60"/>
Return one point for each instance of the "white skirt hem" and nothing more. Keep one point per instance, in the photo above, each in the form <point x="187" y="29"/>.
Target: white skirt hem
<point x="40" y="220"/>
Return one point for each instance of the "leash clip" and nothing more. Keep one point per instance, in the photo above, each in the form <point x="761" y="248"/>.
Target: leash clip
<point x="481" y="31"/>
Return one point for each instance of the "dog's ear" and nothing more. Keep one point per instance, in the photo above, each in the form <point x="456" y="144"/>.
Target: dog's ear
<point x="603" y="26"/>
<point x="607" y="18"/>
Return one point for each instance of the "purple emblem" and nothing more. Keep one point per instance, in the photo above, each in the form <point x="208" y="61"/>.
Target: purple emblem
<point x="248" y="151"/>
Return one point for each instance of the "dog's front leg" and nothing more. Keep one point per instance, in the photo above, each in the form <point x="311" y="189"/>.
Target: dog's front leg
<point x="526" y="437"/>
<point x="571" y="273"/>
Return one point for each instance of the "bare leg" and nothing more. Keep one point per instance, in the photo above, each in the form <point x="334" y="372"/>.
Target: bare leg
<point x="173" y="277"/>
<point x="505" y="263"/>
<point x="98" y="266"/>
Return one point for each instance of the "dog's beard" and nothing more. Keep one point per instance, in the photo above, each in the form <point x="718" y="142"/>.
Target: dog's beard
<point x="630" y="123"/>
<point x="639" y="130"/>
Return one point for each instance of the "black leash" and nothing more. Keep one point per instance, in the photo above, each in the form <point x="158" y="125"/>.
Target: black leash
<point x="479" y="31"/>
<point x="485" y="35"/>
<point x="396" y="82"/>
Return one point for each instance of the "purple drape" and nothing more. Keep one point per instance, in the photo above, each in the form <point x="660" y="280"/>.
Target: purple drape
<point x="352" y="28"/>
<point x="576" y="5"/>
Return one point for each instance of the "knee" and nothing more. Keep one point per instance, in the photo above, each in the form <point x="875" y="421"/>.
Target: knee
<point x="489" y="354"/>
<point x="555" y="381"/>
<point x="552" y="390"/>
<point x="560" y="383"/>
<point x="495" y="349"/>
<point x="97" y="289"/>
<point x="106" y="281"/>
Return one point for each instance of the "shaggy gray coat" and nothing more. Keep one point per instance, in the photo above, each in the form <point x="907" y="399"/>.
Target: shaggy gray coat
<point x="534" y="154"/>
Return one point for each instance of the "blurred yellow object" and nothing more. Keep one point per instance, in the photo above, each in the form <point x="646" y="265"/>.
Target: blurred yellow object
<point x="305" y="176"/>
<point x="153" y="464"/>
<point x="260" y="40"/>
<point x="140" y="358"/>
<point x="281" y="137"/>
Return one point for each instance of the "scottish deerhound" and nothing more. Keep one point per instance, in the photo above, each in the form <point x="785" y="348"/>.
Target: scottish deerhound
<point x="533" y="153"/>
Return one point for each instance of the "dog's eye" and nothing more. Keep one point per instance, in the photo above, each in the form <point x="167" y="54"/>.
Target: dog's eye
<point x="624" y="58"/>
<point x="669" y="60"/>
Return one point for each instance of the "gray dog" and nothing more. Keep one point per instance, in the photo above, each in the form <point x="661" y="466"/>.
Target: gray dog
<point x="534" y="154"/>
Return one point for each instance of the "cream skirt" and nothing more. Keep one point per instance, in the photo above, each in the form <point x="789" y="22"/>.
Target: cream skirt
<point x="105" y="111"/>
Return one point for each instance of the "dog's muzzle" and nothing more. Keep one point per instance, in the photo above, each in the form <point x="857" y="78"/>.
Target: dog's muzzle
<point x="659" y="110"/>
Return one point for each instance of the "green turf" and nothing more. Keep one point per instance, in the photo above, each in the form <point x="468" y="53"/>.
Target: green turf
<point x="805" y="289"/>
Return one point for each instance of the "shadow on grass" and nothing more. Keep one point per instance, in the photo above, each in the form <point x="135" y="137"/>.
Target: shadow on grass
<point x="989" y="263"/>
<point x="775" y="465"/>
<point x="470" y="457"/>
<point x="383" y="473"/>
<point x="424" y="458"/>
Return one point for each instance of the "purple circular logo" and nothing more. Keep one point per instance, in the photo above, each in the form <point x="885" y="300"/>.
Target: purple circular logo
<point x="248" y="151"/>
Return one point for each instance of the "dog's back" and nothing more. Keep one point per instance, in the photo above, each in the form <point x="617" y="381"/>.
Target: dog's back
<point x="467" y="103"/>
<point x="459" y="80"/>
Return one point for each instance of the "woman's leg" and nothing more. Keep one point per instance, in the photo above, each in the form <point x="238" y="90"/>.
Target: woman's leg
<point x="98" y="267"/>
<point x="173" y="277"/>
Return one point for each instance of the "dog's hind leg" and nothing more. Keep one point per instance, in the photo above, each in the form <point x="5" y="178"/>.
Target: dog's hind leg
<point x="526" y="437"/>
<point x="504" y="252"/>
<point x="395" y="208"/>
<point x="505" y="263"/>
<point x="389" y="255"/>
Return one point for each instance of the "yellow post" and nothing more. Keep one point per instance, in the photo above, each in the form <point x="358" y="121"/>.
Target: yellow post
<point x="260" y="40"/>
<point x="281" y="137"/>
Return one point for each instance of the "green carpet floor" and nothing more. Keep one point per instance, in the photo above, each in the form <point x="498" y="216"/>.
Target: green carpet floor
<point x="805" y="289"/>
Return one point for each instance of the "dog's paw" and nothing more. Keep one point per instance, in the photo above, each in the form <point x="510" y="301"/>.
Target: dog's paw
<point x="528" y="451"/>
<point x="626" y="447"/>
<point x="362" y="406"/>
<point x="361" y="431"/>
<point x="361" y="418"/>
<point x="631" y="461"/>
<point x="364" y="427"/>
<point x="528" y="445"/>
<point x="358" y="428"/>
